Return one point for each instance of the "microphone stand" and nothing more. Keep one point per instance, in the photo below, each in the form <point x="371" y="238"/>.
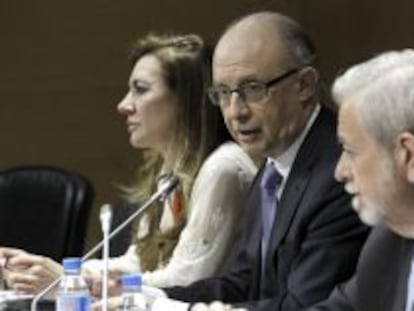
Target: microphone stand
<point x="164" y="190"/>
<point x="105" y="216"/>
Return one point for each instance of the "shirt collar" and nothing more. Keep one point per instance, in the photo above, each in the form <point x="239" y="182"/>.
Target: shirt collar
<point x="283" y="163"/>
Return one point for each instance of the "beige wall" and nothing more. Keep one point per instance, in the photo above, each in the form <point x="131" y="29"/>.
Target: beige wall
<point x="63" y="68"/>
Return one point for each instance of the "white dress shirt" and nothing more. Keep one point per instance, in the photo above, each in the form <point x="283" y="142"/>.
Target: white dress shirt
<point x="410" y="288"/>
<point x="284" y="162"/>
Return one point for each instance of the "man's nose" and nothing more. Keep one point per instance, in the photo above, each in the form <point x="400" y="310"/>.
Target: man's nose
<point x="238" y="108"/>
<point x="341" y="169"/>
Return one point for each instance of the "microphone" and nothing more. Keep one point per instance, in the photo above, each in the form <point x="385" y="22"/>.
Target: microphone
<point x="105" y="217"/>
<point x="164" y="190"/>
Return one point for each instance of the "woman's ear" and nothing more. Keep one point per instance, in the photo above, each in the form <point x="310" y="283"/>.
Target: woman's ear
<point x="308" y="83"/>
<point x="404" y="154"/>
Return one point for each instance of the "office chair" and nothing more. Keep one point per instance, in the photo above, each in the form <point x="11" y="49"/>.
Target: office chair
<point x="120" y="212"/>
<point x="44" y="210"/>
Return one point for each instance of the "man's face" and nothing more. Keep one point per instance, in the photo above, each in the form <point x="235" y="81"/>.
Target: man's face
<point x="365" y="168"/>
<point x="268" y="126"/>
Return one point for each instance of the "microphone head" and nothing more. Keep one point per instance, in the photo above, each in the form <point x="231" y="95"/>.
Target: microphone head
<point x="105" y="215"/>
<point x="168" y="186"/>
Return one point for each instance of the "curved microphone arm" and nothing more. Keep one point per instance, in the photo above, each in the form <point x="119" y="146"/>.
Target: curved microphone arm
<point x="166" y="188"/>
<point x="105" y="217"/>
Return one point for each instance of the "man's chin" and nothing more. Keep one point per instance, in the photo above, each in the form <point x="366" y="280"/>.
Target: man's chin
<point x="253" y="150"/>
<point x="369" y="217"/>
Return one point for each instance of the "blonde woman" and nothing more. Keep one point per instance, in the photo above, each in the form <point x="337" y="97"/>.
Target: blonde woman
<point x="171" y="122"/>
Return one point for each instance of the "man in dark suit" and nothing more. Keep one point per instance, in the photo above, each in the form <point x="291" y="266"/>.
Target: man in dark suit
<point x="302" y="238"/>
<point x="376" y="130"/>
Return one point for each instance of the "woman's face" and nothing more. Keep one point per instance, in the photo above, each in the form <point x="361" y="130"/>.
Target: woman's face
<point x="149" y="106"/>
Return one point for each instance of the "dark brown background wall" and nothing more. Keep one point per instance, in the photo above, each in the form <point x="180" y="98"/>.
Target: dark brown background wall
<point x="63" y="68"/>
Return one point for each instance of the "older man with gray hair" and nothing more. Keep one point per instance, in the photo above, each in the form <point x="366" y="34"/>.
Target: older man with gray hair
<point x="300" y="236"/>
<point x="376" y="130"/>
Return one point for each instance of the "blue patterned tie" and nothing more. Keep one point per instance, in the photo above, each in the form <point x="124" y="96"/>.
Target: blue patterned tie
<point x="270" y="180"/>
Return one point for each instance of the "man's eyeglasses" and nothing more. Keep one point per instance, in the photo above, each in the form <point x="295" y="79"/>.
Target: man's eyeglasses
<point x="248" y="91"/>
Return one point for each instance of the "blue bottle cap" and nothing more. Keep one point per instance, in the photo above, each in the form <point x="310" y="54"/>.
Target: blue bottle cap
<point x="71" y="263"/>
<point x="131" y="279"/>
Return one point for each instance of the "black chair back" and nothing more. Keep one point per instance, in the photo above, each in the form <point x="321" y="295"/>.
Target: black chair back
<point x="44" y="210"/>
<point x="120" y="212"/>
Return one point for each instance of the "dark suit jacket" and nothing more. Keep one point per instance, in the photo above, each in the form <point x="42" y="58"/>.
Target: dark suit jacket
<point x="380" y="282"/>
<point x="315" y="241"/>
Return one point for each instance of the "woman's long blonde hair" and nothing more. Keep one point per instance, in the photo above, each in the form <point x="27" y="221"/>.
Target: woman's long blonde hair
<point x="186" y="65"/>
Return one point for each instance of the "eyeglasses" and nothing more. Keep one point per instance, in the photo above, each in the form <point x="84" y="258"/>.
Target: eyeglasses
<point x="248" y="91"/>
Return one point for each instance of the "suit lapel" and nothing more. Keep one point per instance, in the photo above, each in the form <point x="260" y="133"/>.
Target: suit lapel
<point x="254" y="213"/>
<point x="289" y="203"/>
<point x="402" y="270"/>
<point x="297" y="182"/>
<point x="383" y="271"/>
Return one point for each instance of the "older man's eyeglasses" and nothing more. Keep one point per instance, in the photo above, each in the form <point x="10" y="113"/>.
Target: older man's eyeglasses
<point x="248" y="91"/>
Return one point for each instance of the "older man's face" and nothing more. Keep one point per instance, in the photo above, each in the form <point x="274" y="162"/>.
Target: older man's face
<point x="264" y="127"/>
<point x="365" y="168"/>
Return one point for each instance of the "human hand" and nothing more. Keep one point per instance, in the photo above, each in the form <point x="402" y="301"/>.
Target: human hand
<point x="3" y="262"/>
<point x="95" y="283"/>
<point x="26" y="272"/>
<point x="113" y="304"/>
<point x="215" y="306"/>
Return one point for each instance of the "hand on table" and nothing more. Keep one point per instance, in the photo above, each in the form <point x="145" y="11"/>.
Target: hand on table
<point x="26" y="272"/>
<point x="215" y="306"/>
<point x="113" y="304"/>
<point x="95" y="283"/>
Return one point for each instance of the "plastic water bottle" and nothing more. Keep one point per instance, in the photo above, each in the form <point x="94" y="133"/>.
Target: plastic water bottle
<point x="73" y="293"/>
<point x="132" y="297"/>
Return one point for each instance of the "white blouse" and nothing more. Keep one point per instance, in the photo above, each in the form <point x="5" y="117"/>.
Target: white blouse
<point x="213" y="220"/>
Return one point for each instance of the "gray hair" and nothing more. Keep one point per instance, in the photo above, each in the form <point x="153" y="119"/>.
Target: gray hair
<point x="297" y="42"/>
<point x="382" y="90"/>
